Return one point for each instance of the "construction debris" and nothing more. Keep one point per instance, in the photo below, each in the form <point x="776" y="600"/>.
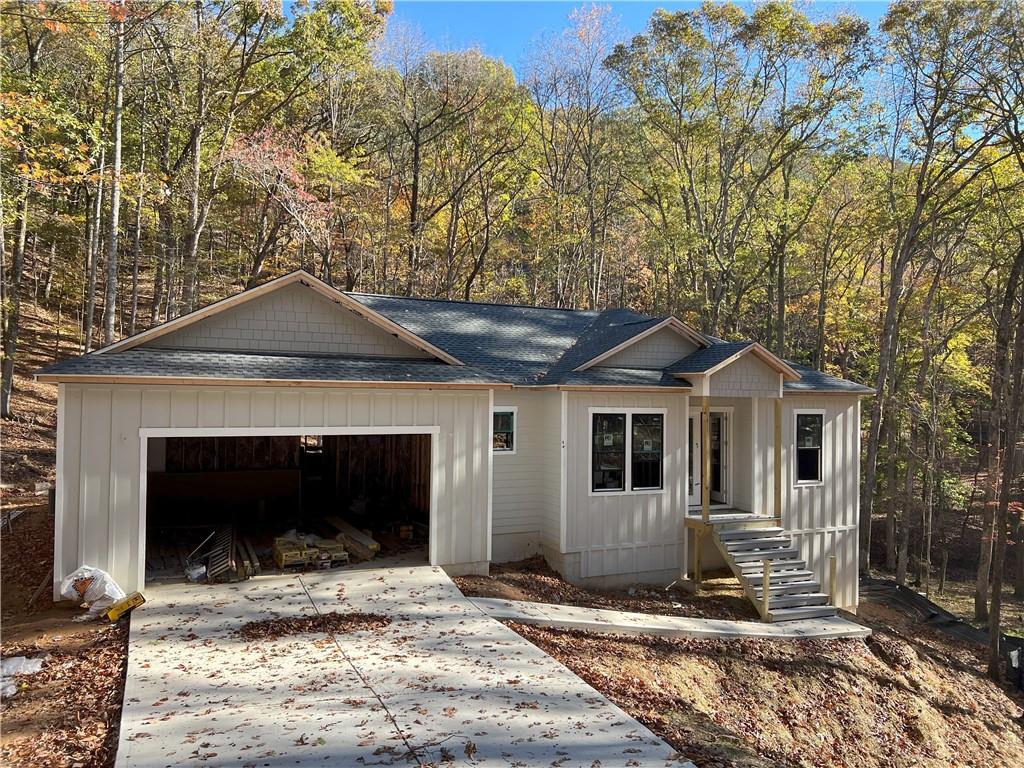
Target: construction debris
<point x="13" y="667"/>
<point x="125" y="606"/>
<point x="93" y="587"/>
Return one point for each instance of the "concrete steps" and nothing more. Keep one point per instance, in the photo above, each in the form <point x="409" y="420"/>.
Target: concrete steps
<point x="747" y="542"/>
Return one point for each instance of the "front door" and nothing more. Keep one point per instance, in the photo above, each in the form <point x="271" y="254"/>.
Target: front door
<point x="718" y="445"/>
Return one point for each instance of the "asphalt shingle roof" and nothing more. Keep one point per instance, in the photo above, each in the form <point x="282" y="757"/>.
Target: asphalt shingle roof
<point x="499" y="343"/>
<point x="818" y="381"/>
<point x="708" y="357"/>
<point x="145" y="361"/>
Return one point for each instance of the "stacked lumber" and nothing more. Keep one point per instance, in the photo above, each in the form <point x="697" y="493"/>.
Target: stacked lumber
<point x="358" y="543"/>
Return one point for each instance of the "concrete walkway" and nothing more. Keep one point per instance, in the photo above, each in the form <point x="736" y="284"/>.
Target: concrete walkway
<point x="623" y="622"/>
<point x="443" y="682"/>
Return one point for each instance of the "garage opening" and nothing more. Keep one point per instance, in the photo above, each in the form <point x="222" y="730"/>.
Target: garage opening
<point x="227" y="508"/>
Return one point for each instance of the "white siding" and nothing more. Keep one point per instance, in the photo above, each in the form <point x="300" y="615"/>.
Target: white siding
<point x="550" y="479"/>
<point x="655" y="351"/>
<point x="518" y="494"/>
<point x="821" y="518"/>
<point x="291" y="319"/>
<point x="746" y="377"/>
<point x="100" y="451"/>
<point x="625" y="533"/>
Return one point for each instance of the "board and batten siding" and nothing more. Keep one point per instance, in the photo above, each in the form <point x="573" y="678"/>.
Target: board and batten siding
<point x="99" y="454"/>
<point x="821" y="518"/>
<point x="522" y="489"/>
<point x="624" y="534"/>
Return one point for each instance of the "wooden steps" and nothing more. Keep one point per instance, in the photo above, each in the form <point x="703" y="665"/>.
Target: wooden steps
<point x="748" y="541"/>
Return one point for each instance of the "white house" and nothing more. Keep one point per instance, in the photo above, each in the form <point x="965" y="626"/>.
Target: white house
<point x="622" y="447"/>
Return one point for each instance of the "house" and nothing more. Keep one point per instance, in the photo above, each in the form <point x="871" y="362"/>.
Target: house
<point x="622" y="447"/>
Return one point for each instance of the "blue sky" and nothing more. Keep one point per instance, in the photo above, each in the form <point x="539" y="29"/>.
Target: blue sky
<point x="506" y="29"/>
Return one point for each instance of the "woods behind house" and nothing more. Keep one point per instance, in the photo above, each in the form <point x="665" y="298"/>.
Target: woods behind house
<point x="848" y="195"/>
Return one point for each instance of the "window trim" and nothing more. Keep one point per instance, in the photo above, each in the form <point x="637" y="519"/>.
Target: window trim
<point x="797" y="482"/>
<point x="514" y="410"/>
<point x="627" y="479"/>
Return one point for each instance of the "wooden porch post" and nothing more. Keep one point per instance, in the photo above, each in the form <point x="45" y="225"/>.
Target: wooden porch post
<point x="705" y="454"/>
<point x="778" y="462"/>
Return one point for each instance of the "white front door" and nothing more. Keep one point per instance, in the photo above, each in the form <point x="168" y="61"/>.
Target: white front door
<point x="693" y="472"/>
<point x="718" y="443"/>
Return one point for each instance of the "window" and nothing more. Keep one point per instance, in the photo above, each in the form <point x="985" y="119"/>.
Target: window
<point x="640" y="437"/>
<point x="648" y="434"/>
<point x="504" y="440"/>
<point x="609" y="461"/>
<point x="809" y="427"/>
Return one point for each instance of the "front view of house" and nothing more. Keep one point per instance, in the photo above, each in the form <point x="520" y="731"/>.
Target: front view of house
<point x="624" y="448"/>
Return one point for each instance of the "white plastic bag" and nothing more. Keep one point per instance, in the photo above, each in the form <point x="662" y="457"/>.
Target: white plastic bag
<point x="92" y="586"/>
<point x="16" y="665"/>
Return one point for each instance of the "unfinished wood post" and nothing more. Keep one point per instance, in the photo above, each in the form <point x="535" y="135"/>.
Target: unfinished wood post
<point x="832" y="570"/>
<point x="705" y="455"/>
<point x="697" y="574"/>
<point x="778" y="462"/>
<point x="766" y="594"/>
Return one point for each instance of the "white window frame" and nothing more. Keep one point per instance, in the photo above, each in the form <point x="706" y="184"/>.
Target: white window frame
<point x="797" y="482"/>
<point x="514" y="410"/>
<point x="627" y="480"/>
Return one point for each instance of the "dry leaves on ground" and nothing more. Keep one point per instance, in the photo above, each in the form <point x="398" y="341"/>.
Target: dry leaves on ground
<point x="327" y="623"/>
<point x="68" y="714"/>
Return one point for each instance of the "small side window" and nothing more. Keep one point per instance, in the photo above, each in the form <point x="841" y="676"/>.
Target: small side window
<point x="808" y="447"/>
<point x="504" y="431"/>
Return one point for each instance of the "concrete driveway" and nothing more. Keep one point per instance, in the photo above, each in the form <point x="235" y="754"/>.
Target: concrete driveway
<point x="441" y="683"/>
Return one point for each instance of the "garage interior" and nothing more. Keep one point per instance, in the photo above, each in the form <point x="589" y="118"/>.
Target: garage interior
<point x="227" y="508"/>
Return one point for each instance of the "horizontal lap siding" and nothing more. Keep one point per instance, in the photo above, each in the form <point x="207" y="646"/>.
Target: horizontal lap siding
<point x="822" y="519"/>
<point x="625" y="533"/>
<point x="100" y="451"/>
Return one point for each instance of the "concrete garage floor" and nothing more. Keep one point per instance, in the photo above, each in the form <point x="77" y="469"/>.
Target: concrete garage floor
<point x="443" y="680"/>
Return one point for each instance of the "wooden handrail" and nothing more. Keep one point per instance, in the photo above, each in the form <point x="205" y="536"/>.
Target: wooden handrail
<point x="766" y="594"/>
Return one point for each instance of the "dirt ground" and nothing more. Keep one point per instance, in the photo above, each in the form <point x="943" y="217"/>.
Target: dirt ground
<point x="533" y="580"/>
<point x="906" y="697"/>
<point x="68" y="713"/>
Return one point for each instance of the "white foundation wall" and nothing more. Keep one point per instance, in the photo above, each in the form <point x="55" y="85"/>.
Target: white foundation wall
<point x="821" y="518"/>
<point x="623" y="536"/>
<point x="99" y="454"/>
<point x="522" y="490"/>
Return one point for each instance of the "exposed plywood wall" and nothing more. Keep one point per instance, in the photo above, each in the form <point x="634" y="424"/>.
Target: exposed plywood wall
<point x="99" y="451"/>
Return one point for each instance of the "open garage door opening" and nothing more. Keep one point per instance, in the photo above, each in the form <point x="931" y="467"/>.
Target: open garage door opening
<point x="228" y="507"/>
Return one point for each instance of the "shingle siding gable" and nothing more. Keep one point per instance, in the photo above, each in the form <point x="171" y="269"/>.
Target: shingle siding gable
<point x="294" y="319"/>
<point x="656" y="351"/>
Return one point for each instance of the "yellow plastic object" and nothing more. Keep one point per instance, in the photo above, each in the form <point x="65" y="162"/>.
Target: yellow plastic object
<point x="124" y="605"/>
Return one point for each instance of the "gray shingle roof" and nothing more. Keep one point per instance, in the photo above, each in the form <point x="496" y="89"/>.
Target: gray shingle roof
<point x="512" y="342"/>
<point x="708" y="357"/>
<point x="818" y="381"/>
<point x="146" y="361"/>
<point x="622" y="377"/>
<point x="499" y="343"/>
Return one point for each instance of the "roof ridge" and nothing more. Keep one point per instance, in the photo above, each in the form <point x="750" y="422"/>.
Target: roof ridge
<point x="595" y="312"/>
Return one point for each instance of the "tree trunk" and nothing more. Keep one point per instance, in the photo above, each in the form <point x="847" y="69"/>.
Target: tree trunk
<point x="999" y="385"/>
<point x="110" y="299"/>
<point x="1013" y="419"/>
<point x="13" y="317"/>
<point x="890" y="517"/>
<point x="92" y="254"/>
